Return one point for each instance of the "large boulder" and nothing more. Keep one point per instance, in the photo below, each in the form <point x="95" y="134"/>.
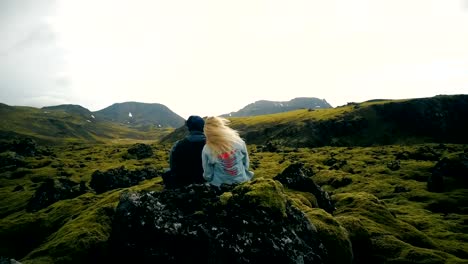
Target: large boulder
<point x="10" y="161"/>
<point x="140" y="151"/>
<point x="297" y="177"/>
<point x="251" y="223"/>
<point x="52" y="191"/>
<point x="449" y="173"/>
<point x="119" y="178"/>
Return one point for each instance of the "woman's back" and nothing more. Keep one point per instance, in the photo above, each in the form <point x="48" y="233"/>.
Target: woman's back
<point x="228" y="167"/>
<point x="224" y="157"/>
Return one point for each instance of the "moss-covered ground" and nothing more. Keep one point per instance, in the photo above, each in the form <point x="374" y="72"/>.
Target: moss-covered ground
<point x="384" y="213"/>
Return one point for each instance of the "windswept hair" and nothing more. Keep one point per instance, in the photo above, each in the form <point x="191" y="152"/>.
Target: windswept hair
<point x="219" y="136"/>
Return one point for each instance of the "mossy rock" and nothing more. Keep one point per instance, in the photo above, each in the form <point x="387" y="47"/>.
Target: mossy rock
<point x="333" y="235"/>
<point x="378" y="236"/>
<point x="81" y="240"/>
<point x="266" y="194"/>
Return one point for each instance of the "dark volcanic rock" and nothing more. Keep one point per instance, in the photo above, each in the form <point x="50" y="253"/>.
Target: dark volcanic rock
<point x="299" y="178"/>
<point x="25" y="147"/>
<point x="449" y="174"/>
<point x="253" y="223"/>
<point x="335" y="163"/>
<point x="11" y="161"/>
<point x="394" y="165"/>
<point x="140" y="151"/>
<point x="52" y="191"/>
<point x="119" y="178"/>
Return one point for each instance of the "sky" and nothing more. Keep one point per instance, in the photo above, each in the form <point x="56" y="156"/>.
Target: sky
<point x="211" y="57"/>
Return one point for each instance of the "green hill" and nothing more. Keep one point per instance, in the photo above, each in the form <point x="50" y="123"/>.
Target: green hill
<point x="140" y="114"/>
<point x="436" y="119"/>
<point x="66" y="123"/>
<point x="377" y="122"/>
<point x="71" y="109"/>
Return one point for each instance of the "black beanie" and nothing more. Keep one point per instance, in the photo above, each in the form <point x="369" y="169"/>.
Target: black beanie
<point x="195" y="123"/>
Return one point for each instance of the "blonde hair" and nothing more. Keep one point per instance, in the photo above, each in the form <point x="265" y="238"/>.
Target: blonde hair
<point x="219" y="136"/>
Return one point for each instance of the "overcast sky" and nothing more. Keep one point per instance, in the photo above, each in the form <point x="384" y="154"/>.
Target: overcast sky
<point x="213" y="57"/>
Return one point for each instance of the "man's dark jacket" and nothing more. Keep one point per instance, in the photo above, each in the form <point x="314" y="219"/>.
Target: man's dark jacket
<point x="186" y="162"/>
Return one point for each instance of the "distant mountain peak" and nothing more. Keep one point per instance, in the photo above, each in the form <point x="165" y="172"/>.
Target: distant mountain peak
<point x="141" y="114"/>
<point x="263" y="107"/>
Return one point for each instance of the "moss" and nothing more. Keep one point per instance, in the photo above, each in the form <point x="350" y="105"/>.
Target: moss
<point x="384" y="226"/>
<point x="262" y="193"/>
<point x="82" y="239"/>
<point x="224" y="198"/>
<point x="334" y="236"/>
<point x="301" y="199"/>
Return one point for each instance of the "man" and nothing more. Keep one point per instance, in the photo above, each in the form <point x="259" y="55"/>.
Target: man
<point x="185" y="157"/>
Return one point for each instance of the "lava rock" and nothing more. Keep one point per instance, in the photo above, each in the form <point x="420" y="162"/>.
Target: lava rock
<point x="25" y="147"/>
<point x="199" y="223"/>
<point x="140" y="151"/>
<point x="52" y="191"/>
<point x="449" y="173"/>
<point x="335" y="163"/>
<point x="11" y="161"/>
<point x="119" y="178"/>
<point x="299" y="178"/>
<point x="394" y="165"/>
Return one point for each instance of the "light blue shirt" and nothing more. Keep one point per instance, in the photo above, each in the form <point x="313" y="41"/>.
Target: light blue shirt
<point x="230" y="167"/>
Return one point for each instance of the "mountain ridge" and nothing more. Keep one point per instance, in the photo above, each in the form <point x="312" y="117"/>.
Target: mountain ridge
<point x="262" y="107"/>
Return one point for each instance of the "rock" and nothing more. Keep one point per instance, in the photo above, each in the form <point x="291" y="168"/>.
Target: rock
<point x="11" y="161"/>
<point x="449" y="173"/>
<point x="18" y="188"/>
<point x="140" y="151"/>
<point x="4" y="260"/>
<point x="394" y="165"/>
<point x="251" y="223"/>
<point x="299" y="178"/>
<point x="335" y="163"/>
<point x="25" y="147"/>
<point x="52" y="191"/>
<point x="119" y="178"/>
<point x="400" y="189"/>
<point x="340" y="182"/>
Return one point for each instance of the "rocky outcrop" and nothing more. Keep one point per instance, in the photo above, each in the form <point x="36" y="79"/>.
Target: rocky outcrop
<point x="140" y="151"/>
<point x="119" y="178"/>
<point x="299" y="178"/>
<point x="11" y="161"/>
<point x="52" y="191"/>
<point x="449" y="173"/>
<point x="249" y="223"/>
<point x="25" y="147"/>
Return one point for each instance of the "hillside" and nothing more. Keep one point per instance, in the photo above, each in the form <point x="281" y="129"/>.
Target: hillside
<point x="376" y="122"/>
<point x="71" y="109"/>
<point x="140" y="114"/>
<point x="65" y="123"/>
<point x="264" y="107"/>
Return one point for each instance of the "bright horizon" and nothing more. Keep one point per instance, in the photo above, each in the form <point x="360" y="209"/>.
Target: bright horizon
<point x="212" y="57"/>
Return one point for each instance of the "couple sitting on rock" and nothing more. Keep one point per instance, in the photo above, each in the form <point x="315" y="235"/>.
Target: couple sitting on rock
<point x="212" y="152"/>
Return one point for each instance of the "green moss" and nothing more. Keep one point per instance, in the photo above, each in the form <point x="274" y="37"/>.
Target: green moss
<point x="82" y="239"/>
<point x="224" y="198"/>
<point x="334" y="236"/>
<point x="262" y="193"/>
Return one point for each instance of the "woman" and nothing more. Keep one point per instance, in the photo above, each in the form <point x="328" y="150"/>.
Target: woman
<point x="224" y="156"/>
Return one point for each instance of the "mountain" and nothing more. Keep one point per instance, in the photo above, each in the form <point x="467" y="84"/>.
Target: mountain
<point x="264" y="107"/>
<point x="141" y="114"/>
<point x="440" y="119"/>
<point x="64" y="123"/>
<point x="71" y="109"/>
